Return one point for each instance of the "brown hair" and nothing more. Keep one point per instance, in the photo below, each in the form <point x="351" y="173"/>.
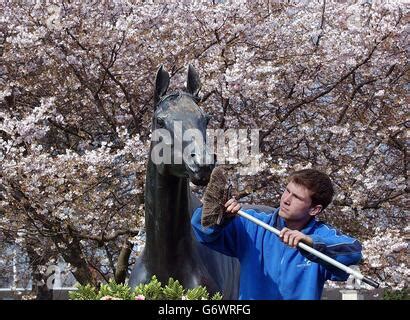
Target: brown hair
<point x="318" y="183"/>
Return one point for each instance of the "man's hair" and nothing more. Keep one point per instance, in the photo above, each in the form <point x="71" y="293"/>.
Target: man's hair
<point x="318" y="183"/>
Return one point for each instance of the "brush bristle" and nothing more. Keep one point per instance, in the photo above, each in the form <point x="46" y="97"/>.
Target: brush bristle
<point x="214" y="199"/>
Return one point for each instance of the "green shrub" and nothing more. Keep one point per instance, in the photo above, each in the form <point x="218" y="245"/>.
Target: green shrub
<point x="173" y="290"/>
<point x="86" y="292"/>
<point x="149" y="291"/>
<point x="396" y="294"/>
<point x="114" y="290"/>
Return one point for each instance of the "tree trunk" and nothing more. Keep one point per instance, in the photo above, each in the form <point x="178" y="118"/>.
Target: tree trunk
<point x="122" y="262"/>
<point x="74" y="256"/>
<point x="40" y="285"/>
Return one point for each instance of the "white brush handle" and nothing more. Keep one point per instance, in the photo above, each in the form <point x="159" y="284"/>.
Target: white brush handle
<point x="318" y="254"/>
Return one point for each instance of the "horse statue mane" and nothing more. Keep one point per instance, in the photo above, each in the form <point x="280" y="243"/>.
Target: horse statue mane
<point x="171" y="249"/>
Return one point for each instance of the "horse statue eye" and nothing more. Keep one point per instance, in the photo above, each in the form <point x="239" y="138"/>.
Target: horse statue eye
<point x="160" y="122"/>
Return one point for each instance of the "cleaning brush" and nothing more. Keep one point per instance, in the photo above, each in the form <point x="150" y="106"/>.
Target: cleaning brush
<point x="217" y="194"/>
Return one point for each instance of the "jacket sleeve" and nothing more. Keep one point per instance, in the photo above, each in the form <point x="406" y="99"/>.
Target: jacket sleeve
<point x="223" y="238"/>
<point x="342" y="248"/>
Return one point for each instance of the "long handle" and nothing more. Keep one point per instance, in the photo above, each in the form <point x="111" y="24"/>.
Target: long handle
<point x="318" y="254"/>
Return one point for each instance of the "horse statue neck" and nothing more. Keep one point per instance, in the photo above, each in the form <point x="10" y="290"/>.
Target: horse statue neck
<point x="167" y="217"/>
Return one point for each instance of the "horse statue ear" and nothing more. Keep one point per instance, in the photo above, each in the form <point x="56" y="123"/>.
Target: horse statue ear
<point x="161" y="84"/>
<point x="193" y="83"/>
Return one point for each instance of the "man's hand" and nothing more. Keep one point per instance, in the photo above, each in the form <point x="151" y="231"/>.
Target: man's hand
<point x="232" y="207"/>
<point x="293" y="237"/>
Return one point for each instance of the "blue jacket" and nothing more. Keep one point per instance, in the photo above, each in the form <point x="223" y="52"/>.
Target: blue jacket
<point x="269" y="268"/>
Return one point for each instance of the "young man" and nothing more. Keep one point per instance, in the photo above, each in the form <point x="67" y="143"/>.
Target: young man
<point x="271" y="266"/>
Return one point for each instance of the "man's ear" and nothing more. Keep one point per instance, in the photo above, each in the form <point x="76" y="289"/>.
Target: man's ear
<point x="314" y="211"/>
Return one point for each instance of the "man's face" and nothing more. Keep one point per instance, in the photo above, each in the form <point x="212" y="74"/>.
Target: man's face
<point x="295" y="204"/>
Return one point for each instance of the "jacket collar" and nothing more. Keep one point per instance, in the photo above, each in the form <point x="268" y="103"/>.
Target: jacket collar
<point x="280" y="223"/>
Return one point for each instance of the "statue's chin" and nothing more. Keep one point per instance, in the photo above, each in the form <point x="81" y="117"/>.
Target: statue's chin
<point x="199" y="181"/>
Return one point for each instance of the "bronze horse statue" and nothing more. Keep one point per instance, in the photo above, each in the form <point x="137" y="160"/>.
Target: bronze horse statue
<point x="171" y="249"/>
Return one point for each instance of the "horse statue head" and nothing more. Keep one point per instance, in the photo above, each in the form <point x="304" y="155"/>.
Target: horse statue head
<point x="179" y="130"/>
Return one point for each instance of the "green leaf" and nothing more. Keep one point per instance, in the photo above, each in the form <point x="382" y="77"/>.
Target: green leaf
<point x="151" y="290"/>
<point x="112" y="289"/>
<point x="83" y="292"/>
<point x="198" y="293"/>
<point x="173" y="290"/>
<point x="217" y="296"/>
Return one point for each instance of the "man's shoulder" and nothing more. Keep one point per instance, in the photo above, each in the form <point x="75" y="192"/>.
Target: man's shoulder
<point x="321" y="227"/>
<point x="267" y="210"/>
<point x="263" y="213"/>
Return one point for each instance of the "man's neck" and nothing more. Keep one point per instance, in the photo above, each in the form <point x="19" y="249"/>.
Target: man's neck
<point x="298" y="224"/>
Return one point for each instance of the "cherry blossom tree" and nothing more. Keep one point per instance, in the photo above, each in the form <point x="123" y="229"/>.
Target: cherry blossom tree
<point x="324" y="82"/>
